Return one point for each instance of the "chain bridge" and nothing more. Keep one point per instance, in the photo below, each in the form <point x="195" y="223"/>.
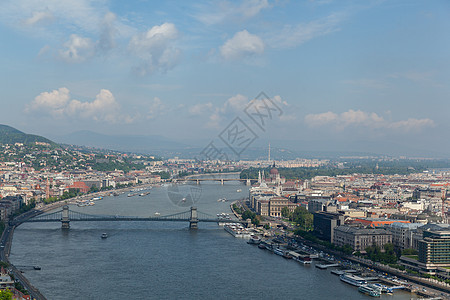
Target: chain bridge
<point x="65" y="216"/>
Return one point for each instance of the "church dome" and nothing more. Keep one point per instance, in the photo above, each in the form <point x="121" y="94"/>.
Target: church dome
<point x="273" y="171"/>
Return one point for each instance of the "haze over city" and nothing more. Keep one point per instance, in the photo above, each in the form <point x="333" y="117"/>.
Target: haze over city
<point x="348" y="75"/>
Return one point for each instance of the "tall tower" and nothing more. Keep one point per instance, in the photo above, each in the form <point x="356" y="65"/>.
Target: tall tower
<point x="268" y="159"/>
<point x="47" y="190"/>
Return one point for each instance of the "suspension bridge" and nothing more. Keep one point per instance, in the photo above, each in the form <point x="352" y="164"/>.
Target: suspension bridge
<point x="65" y="216"/>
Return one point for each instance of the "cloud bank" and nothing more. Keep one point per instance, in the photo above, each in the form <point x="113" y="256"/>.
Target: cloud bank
<point x="371" y="120"/>
<point x="59" y="104"/>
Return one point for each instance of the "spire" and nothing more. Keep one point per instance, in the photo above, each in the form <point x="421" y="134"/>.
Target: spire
<point x="259" y="177"/>
<point x="269" y="155"/>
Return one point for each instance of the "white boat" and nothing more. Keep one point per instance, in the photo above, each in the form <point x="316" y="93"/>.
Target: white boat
<point x="157" y="214"/>
<point x="254" y="240"/>
<point x="353" y="279"/>
<point x="97" y="198"/>
<point x="104" y="235"/>
<point x="237" y="230"/>
<point x="239" y="190"/>
<point x="368" y="290"/>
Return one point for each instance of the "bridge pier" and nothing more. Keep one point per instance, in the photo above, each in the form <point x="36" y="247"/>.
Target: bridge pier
<point x="65" y="221"/>
<point x="193" y="221"/>
<point x="198" y="181"/>
<point x="248" y="183"/>
<point x="221" y="181"/>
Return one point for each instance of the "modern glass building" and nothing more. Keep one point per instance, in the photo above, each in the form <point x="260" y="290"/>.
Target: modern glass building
<point x="434" y="248"/>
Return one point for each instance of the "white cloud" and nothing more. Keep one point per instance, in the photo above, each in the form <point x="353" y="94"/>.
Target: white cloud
<point x="156" y="48"/>
<point x="242" y="44"/>
<point x="218" y="12"/>
<point x="39" y="17"/>
<point x="77" y="49"/>
<point x="358" y="118"/>
<point x="156" y="108"/>
<point x="201" y="109"/>
<point x="53" y="102"/>
<point x="232" y="107"/>
<point x="84" y="15"/>
<point x="292" y="36"/>
<point x="412" y="124"/>
<point x="103" y="108"/>
<point x="108" y="31"/>
<point x="59" y="104"/>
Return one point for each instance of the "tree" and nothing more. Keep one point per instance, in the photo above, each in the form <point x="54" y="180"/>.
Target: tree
<point x="410" y="252"/>
<point x="302" y="218"/>
<point x="285" y="212"/>
<point x="6" y="295"/>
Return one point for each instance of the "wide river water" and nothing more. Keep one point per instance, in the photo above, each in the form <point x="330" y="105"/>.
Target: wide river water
<point x="165" y="260"/>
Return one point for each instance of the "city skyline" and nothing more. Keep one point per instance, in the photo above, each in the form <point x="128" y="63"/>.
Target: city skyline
<point x="346" y="76"/>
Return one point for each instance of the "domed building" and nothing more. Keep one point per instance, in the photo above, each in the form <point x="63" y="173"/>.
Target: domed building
<point x="275" y="176"/>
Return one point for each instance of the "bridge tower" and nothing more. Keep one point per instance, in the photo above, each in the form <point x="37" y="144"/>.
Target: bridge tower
<point x="193" y="221"/>
<point x="65" y="221"/>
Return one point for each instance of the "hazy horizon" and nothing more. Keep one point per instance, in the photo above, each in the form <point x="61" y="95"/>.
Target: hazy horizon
<point x="344" y="76"/>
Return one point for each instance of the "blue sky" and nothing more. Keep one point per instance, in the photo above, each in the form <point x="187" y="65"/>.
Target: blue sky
<point x="347" y="75"/>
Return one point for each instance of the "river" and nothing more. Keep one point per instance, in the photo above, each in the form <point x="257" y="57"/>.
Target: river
<point x="165" y="260"/>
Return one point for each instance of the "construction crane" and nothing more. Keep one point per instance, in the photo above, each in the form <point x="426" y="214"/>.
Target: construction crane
<point x="444" y="198"/>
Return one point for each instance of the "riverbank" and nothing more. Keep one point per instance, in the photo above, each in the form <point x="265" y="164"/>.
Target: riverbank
<point x="7" y="235"/>
<point x="422" y="284"/>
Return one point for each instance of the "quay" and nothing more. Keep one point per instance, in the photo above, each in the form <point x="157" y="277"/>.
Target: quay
<point x="323" y="266"/>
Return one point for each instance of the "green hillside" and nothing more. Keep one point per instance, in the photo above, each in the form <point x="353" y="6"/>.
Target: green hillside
<point x="10" y="135"/>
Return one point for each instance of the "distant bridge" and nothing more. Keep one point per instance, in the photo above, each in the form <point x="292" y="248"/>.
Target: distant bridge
<point x="65" y="216"/>
<point x="222" y="180"/>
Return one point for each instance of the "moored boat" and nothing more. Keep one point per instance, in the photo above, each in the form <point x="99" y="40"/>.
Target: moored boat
<point x="278" y="251"/>
<point x="254" y="240"/>
<point x="353" y="279"/>
<point x="368" y="290"/>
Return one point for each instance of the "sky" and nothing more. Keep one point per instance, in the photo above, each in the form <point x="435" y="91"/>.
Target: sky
<point x="339" y="75"/>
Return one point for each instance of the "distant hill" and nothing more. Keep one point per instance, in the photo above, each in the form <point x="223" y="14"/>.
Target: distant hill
<point x="10" y="135"/>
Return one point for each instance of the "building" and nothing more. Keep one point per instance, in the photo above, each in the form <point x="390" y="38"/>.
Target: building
<point x="319" y="204"/>
<point x="377" y="222"/>
<point x="402" y="234"/>
<point x="5" y="280"/>
<point x="324" y="224"/>
<point x="276" y="204"/>
<point x="434" y="254"/>
<point x="360" y="238"/>
<point x="79" y="185"/>
<point x="434" y="249"/>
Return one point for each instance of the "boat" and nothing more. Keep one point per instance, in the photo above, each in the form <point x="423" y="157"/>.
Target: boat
<point x="36" y="267"/>
<point x="104" y="235"/>
<point x="237" y="230"/>
<point x="366" y="289"/>
<point x="97" y="198"/>
<point x="278" y="251"/>
<point x="239" y="190"/>
<point x="157" y="214"/>
<point x="254" y="240"/>
<point x="383" y="288"/>
<point x="353" y="279"/>
<point x="304" y="259"/>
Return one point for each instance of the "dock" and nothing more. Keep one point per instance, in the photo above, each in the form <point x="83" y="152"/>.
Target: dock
<point x="323" y="266"/>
